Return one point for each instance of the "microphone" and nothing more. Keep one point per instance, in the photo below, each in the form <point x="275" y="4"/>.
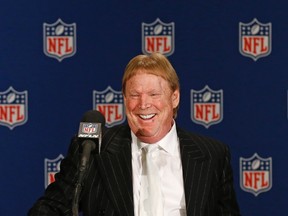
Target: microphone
<point x="90" y="131"/>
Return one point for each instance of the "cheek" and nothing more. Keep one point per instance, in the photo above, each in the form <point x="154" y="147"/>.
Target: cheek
<point x="130" y="105"/>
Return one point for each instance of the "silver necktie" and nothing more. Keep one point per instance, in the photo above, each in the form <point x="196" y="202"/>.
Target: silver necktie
<point x="151" y="203"/>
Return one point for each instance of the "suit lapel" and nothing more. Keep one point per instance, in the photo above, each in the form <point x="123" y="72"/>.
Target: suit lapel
<point x="116" y="170"/>
<point x="196" y="175"/>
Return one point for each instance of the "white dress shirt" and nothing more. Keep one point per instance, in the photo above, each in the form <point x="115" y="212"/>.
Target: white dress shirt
<point x="169" y="162"/>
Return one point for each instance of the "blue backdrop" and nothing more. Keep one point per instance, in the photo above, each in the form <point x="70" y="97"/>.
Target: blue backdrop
<point x="59" y="59"/>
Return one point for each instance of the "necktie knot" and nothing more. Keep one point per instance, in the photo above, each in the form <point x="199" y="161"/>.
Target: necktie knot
<point x="150" y="148"/>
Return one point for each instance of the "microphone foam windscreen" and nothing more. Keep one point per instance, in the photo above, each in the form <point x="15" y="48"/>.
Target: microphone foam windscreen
<point x="93" y="116"/>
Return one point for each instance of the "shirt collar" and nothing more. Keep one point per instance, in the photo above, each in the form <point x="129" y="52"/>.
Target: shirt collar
<point x="169" y="143"/>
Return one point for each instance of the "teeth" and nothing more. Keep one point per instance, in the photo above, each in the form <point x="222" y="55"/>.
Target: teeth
<point x="147" y="116"/>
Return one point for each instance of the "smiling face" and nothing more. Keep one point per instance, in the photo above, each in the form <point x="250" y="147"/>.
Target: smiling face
<point x="149" y="103"/>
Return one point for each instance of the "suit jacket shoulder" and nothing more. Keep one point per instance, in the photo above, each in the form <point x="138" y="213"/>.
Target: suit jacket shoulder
<point x="209" y="147"/>
<point x="207" y="174"/>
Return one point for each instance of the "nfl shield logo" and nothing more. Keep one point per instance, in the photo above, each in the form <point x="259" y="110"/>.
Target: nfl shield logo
<point x="256" y="174"/>
<point x="110" y="103"/>
<point x="13" y="108"/>
<point x="255" y="39"/>
<point x="158" y="37"/>
<point x="52" y="166"/>
<point x="89" y="128"/>
<point x="59" y="39"/>
<point x="206" y="106"/>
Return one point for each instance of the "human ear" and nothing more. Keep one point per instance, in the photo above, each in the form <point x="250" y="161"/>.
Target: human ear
<point x="176" y="98"/>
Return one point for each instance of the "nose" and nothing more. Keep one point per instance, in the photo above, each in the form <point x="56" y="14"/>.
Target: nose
<point x="144" y="102"/>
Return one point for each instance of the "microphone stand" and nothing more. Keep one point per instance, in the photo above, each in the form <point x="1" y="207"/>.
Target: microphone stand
<point x="89" y="146"/>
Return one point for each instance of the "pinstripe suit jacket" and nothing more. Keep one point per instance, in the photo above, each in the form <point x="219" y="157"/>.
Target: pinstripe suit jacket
<point x="207" y="173"/>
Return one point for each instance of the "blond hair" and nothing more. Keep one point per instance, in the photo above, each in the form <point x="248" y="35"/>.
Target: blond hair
<point x="156" y="64"/>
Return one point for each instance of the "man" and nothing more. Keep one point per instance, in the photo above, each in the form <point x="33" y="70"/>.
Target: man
<point x="193" y="173"/>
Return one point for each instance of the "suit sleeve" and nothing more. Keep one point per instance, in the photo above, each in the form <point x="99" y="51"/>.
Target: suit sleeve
<point x="57" y="199"/>
<point x="227" y="204"/>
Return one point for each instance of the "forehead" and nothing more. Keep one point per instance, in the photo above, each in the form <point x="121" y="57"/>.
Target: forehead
<point x="144" y="79"/>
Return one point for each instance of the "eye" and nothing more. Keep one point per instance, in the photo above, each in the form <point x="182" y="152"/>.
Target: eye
<point x="155" y="95"/>
<point x="134" y="95"/>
